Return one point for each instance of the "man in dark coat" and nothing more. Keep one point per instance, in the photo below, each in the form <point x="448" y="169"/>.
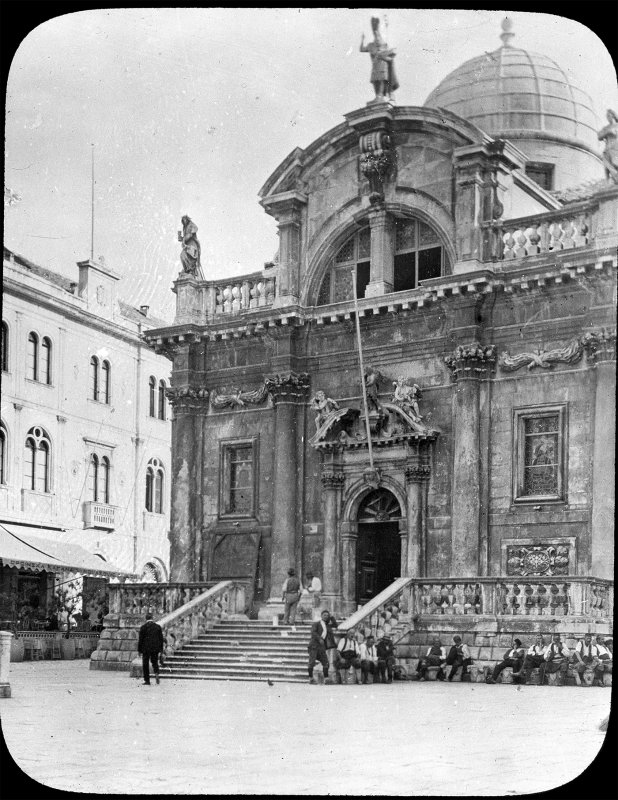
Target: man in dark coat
<point x="149" y="645"/>
<point x="322" y="638"/>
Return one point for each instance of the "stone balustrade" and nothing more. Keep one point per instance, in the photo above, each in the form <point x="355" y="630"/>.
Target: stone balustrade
<point x="248" y="292"/>
<point x="541" y="233"/>
<point x="154" y="598"/>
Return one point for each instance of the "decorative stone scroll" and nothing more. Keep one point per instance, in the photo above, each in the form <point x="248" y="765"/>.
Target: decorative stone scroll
<point x="376" y="161"/>
<point x="537" y="560"/>
<point x="187" y="397"/>
<point x="599" y="345"/>
<point x="471" y="360"/>
<point x="288" y="387"/>
<point x="546" y="359"/>
<point x="238" y="398"/>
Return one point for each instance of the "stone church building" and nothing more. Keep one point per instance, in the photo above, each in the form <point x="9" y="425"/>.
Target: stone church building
<point x="475" y="439"/>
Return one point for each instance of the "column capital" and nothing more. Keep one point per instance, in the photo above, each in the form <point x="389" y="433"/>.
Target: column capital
<point x="288" y="387"/>
<point x="473" y="360"/>
<point x="416" y="473"/>
<point x="600" y="345"/>
<point x="331" y="479"/>
<point x="187" y="398"/>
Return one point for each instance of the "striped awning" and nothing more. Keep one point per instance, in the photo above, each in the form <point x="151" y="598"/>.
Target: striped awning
<point x="22" y="546"/>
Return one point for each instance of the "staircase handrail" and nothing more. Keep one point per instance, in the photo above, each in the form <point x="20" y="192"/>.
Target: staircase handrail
<point x="201" y="613"/>
<point x="370" y="611"/>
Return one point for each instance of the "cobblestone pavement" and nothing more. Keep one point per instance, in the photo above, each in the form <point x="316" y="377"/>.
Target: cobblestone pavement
<point x="210" y="737"/>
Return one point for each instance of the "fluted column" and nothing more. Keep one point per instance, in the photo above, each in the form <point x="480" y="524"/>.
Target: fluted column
<point x="469" y="365"/>
<point x="601" y="353"/>
<point x="288" y="391"/>
<point x="416" y="474"/>
<point x="332" y="481"/>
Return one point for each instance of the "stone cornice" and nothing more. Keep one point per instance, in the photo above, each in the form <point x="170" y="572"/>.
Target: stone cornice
<point x="473" y="360"/>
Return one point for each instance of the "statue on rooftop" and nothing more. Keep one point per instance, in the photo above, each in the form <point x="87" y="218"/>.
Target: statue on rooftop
<point x="383" y="75"/>
<point x="609" y="135"/>
<point x="323" y="405"/>
<point x="190" y="254"/>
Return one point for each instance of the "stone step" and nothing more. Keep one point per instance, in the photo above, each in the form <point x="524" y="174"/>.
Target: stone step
<point x="225" y="671"/>
<point x="256" y="678"/>
<point x="173" y="661"/>
<point x="251" y="647"/>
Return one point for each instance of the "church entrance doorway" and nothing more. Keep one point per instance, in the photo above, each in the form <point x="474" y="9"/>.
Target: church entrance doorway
<point x="378" y="554"/>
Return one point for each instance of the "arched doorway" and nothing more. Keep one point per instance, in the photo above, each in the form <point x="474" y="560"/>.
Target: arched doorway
<point x="378" y="554"/>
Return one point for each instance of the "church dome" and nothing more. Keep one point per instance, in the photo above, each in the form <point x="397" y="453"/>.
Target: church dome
<point x="515" y="94"/>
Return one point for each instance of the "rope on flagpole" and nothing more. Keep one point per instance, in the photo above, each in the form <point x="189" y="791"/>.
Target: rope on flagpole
<point x="362" y="368"/>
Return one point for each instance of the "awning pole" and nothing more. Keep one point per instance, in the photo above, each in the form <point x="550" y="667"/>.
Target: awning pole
<point x="362" y="367"/>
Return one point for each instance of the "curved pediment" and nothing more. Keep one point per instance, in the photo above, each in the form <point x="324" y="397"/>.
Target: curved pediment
<point x="334" y="424"/>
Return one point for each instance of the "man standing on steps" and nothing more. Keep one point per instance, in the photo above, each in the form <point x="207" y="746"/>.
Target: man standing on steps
<point x="149" y="645"/>
<point x="290" y="596"/>
<point x="314" y="587"/>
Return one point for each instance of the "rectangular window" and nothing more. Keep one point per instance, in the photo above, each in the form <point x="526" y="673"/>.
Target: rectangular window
<point x="539" y="454"/>
<point x="238" y="484"/>
<point x="543" y="174"/>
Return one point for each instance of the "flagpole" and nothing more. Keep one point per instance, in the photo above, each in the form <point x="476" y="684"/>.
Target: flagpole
<point x="362" y="367"/>
<point x="92" y="205"/>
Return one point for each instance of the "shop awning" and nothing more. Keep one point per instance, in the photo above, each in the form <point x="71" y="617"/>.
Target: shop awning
<point x="22" y="546"/>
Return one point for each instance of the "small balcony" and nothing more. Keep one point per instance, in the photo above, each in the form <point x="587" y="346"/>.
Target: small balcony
<point x="99" y="515"/>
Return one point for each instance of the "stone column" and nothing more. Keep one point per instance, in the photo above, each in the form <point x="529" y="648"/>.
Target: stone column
<point x="286" y="208"/>
<point x="403" y="537"/>
<point x="349" y="539"/>
<point x="288" y="391"/>
<point x="382" y="253"/>
<point x="601" y="353"/>
<point x="469" y="365"/>
<point x="416" y="474"/>
<point x="5" y="663"/>
<point x="332" y="481"/>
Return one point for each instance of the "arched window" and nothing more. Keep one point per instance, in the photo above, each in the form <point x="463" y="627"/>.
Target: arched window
<point x="154" y="486"/>
<point x="337" y="282"/>
<point x="3" y="453"/>
<point x="104" y="470"/>
<point x="152" y="385"/>
<point x="37" y="461"/>
<point x="32" y="357"/>
<point x="46" y="362"/>
<point x="5" y="347"/>
<point x="105" y="388"/>
<point x="94" y="378"/>
<point x="94" y="477"/>
<point x="151" y="573"/>
<point x="161" y="399"/>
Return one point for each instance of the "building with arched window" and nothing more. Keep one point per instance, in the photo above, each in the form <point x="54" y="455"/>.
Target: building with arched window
<point x="467" y="250"/>
<point x="76" y="434"/>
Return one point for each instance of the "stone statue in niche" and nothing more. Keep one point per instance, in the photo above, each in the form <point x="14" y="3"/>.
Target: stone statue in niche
<point x="372" y="378"/>
<point x="383" y="75"/>
<point x="609" y="135"/>
<point x="406" y="396"/>
<point x="191" y="251"/>
<point x="323" y="405"/>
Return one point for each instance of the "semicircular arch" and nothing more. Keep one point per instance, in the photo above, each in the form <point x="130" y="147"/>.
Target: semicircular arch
<point x="360" y="490"/>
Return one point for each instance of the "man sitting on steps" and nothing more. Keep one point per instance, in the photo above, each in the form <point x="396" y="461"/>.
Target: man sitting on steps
<point x="534" y="658"/>
<point x="512" y="658"/>
<point x="586" y="657"/>
<point x="348" y="655"/>
<point x="555" y="659"/>
<point x="459" y="656"/>
<point x="435" y="657"/>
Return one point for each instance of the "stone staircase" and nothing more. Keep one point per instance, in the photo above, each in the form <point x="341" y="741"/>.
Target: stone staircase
<point x="244" y="650"/>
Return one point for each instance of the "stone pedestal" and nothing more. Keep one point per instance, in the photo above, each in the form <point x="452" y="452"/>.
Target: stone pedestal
<point x="5" y="661"/>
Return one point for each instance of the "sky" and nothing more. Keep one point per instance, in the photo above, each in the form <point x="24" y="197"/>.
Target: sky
<point x="190" y="110"/>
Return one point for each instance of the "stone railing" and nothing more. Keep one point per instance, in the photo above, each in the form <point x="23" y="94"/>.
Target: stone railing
<point x="201" y="613"/>
<point x="154" y="598"/>
<point x="246" y="292"/>
<point x="496" y="596"/>
<point x="541" y="233"/>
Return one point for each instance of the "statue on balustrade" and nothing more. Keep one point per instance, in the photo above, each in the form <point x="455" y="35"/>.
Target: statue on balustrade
<point x="323" y="405"/>
<point x="383" y="75"/>
<point x="609" y="135"/>
<point x="406" y="396"/>
<point x="191" y="251"/>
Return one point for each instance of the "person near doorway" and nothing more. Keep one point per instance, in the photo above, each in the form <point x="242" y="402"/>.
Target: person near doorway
<point x="512" y="658"/>
<point x="290" y="594"/>
<point x="314" y="587"/>
<point x="369" y="659"/>
<point x="386" y="659"/>
<point x="348" y="655"/>
<point x="458" y="656"/>
<point x="435" y="657"/>
<point x="317" y="645"/>
<point x="149" y="645"/>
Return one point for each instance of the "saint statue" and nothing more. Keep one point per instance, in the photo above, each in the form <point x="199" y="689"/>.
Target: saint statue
<point x="372" y="379"/>
<point x="609" y="135"/>
<point x="323" y="405"/>
<point x="383" y="75"/>
<point x="190" y="254"/>
<point x="407" y="397"/>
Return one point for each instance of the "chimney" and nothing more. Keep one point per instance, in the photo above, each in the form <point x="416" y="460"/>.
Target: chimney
<point x="144" y="310"/>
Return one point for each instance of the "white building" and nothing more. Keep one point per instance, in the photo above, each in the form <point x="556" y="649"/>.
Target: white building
<point x="85" y="429"/>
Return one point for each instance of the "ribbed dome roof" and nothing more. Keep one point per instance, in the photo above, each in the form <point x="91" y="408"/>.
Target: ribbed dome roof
<point x="514" y="93"/>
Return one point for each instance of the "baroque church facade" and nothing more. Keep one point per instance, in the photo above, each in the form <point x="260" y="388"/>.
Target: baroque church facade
<point x="469" y="247"/>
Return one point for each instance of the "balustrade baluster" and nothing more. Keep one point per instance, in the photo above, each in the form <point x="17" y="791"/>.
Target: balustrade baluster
<point x="570" y="230"/>
<point x="521" y="242"/>
<point x="509" y="245"/>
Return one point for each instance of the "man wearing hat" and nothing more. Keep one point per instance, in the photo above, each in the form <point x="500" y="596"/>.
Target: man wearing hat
<point x="458" y="656"/>
<point x="512" y="658"/>
<point x="149" y="645"/>
<point x="290" y="596"/>
<point x="386" y="658"/>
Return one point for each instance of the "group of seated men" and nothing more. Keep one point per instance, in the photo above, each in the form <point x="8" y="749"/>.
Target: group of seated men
<point x="554" y="657"/>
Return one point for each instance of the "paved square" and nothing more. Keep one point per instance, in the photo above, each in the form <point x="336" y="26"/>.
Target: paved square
<point x="212" y="737"/>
